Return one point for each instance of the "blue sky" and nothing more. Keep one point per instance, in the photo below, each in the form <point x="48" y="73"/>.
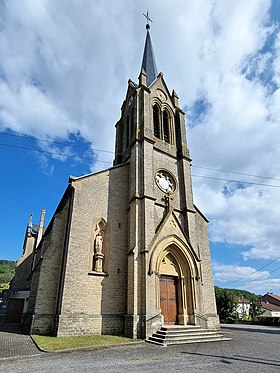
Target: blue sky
<point x="63" y="76"/>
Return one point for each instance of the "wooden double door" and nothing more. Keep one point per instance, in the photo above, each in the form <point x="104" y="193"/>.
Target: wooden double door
<point x="169" y="299"/>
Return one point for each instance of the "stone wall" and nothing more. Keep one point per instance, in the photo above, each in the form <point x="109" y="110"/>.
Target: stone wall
<point x="96" y="303"/>
<point x="207" y="289"/>
<point x="46" y="283"/>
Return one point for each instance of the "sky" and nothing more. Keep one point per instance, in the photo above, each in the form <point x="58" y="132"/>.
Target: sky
<point x="64" y="69"/>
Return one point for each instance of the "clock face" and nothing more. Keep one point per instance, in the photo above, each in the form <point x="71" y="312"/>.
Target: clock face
<point x="165" y="181"/>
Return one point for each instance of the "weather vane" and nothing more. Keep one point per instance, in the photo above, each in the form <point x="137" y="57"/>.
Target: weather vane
<point x="148" y="20"/>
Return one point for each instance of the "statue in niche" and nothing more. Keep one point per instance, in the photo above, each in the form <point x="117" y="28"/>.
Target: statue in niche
<point x="98" y="254"/>
<point x="98" y="243"/>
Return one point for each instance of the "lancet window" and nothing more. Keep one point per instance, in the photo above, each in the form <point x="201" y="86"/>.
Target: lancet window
<point x="156" y="119"/>
<point x="166" y="124"/>
<point x="162" y="122"/>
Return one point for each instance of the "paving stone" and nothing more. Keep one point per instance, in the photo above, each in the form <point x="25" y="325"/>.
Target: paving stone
<point x="14" y="342"/>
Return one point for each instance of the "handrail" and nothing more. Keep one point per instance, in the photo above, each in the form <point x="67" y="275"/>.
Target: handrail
<point x="201" y="317"/>
<point x="153" y="317"/>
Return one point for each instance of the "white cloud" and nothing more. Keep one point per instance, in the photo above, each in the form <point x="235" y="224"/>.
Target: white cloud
<point x="64" y="67"/>
<point x="229" y="273"/>
<point x="245" y="278"/>
<point x="263" y="286"/>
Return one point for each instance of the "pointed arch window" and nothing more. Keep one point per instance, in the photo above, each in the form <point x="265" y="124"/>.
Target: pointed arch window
<point x="156" y="120"/>
<point x="162" y="122"/>
<point x="165" y="124"/>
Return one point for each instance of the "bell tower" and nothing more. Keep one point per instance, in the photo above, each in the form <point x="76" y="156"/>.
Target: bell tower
<point x="168" y="248"/>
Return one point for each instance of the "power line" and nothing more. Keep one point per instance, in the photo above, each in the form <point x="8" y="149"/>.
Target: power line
<point x="55" y="142"/>
<point x="258" y="278"/>
<point x="98" y="160"/>
<point x="236" y="173"/>
<point x="102" y="161"/>
<point x="54" y="153"/>
<point x="236" y="181"/>
<point x="111" y="152"/>
<point x="257" y="270"/>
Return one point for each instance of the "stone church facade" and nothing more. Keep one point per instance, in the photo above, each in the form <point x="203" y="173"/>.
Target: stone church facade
<point x="126" y="250"/>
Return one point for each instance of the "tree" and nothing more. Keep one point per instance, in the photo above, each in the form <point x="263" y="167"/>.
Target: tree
<point x="226" y="304"/>
<point x="7" y="270"/>
<point x="256" y="309"/>
<point x="2" y="288"/>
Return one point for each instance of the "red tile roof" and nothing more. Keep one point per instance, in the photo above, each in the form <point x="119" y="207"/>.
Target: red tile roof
<point x="277" y="297"/>
<point x="270" y="307"/>
<point x="243" y="300"/>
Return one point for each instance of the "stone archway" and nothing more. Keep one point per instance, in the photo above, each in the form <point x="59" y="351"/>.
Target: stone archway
<point x="175" y="287"/>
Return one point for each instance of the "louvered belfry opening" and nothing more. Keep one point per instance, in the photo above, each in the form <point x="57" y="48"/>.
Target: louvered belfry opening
<point x="166" y="130"/>
<point x="156" y="118"/>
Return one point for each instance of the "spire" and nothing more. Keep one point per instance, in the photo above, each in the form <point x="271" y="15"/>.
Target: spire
<point x="30" y="225"/>
<point x="149" y="62"/>
<point x="41" y="227"/>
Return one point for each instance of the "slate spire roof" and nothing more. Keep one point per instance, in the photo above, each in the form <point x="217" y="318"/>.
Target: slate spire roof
<point x="149" y="62"/>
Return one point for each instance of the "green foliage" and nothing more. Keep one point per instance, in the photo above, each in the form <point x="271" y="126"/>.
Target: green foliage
<point x="241" y="293"/>
<point x="226" y="304"/>
<point x="256" y="309"/>
<point x="7" y="271"/>
<point x="3" y="287"/>
<point x="226" y="300"/>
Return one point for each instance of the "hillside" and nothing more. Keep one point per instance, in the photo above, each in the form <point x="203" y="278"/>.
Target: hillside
<point x="7" y="270"/>
<point x="241" y="293"/>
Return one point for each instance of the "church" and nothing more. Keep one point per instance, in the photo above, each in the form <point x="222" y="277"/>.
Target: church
<point x="126" y="251"/>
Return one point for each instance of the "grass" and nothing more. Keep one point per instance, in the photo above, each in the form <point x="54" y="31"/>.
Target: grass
<point x="66" y="343"/>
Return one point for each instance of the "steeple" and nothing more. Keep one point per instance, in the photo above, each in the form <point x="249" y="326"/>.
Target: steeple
<point x="149" y="62"/>
<point x="30" y="225"/>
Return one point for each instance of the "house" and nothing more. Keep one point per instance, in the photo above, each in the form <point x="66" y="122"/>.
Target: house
<point x="271" y="305"/>
<point x="243" y="307"/>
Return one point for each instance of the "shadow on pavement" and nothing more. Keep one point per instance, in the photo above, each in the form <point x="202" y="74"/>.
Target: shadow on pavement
<point x="231" y="359"/>
<point x="12" y="328"/>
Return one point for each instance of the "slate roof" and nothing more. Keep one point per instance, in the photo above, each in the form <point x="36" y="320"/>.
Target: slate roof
<point x="149" y="62"/>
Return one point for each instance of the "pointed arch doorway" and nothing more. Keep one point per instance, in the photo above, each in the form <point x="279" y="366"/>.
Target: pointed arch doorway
<point x="175" y="287"/>
<point x="169" y="302"/>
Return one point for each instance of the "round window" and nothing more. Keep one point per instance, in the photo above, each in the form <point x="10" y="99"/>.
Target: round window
<point x="165" y="181"/>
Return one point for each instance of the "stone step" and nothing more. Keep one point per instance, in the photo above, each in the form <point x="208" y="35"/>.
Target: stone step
<point x="185" y="335"/>
<point x="186" y="341"/>
<point x="182" y="328"/>
<point x="189" y="331"/>
<point x="179" y="334"/>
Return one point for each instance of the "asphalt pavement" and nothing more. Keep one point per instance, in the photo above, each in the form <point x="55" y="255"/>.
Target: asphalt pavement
<point x="253" y="349"/>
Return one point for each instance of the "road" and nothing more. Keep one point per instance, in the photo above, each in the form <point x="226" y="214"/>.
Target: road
<point x="252" y="349"/>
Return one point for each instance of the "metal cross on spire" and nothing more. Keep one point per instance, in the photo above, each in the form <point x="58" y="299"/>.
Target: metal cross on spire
<point x="148" y="20"/>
